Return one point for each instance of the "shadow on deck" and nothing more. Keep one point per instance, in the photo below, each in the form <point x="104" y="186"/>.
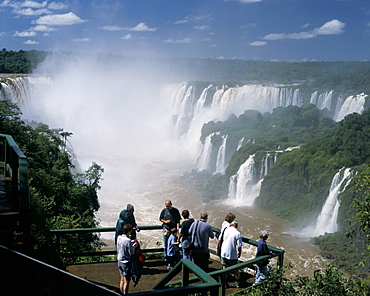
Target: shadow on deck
<point x="107" y="275"/>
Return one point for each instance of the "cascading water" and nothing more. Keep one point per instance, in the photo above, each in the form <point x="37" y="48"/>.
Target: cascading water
<point x="221" y="157"/>
<point x="143" y="142"/>
<point x="242" y="185"/>
<point x="353" y="104"/>
<point x="245" y="185"/>
<point x="205" y="155"/>
<point x="14" y="89"/>
<point x="240" y="144"/>
<point x="327" y="220"/>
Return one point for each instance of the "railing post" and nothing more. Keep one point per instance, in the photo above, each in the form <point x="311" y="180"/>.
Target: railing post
<point x="280" y="261"/>
<point x="185" y="276"/>
<point x="222" y="280"/>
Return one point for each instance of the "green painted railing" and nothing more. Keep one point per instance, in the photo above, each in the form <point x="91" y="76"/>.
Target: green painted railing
<point x="14" y="167"/>
<point x="219" y="276"/>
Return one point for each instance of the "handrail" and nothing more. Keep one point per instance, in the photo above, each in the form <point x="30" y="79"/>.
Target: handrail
<point x="15" y="167"/>
<point x="59" y="232"/>
<point x="186" y="267"/>
<point x="41" y="277"/>
<point x="160" y="288"/>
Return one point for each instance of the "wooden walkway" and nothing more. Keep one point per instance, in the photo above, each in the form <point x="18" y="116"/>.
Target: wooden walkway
<point x="107" y="275"/>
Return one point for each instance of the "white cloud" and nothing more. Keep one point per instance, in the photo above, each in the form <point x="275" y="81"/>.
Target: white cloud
<point x="200" y="27"/>
<point x="31" y="12"/>
<point x="142" y="27"/>
<point x="185" y="40"/>
<point x="302" y="35"/>
<point x="181" y="22"/>
<point x="2" y="34"/>
<point x="304" y="26"/>
<point x="66" y="19"/>
<point x="43" y="28"/>
<point x="333" y="27"/>
<point x="57" y="5"/>
<point x="208" y="17"/>
<point x="127" y="37"/>
<point x="131" y="37"/>
<point x="212" y="45"/>
<point x="25" y="34"/>
<point x="81" y="39"/>
<point x="30" y="42"/>
<point x="34" y="4"/>
<point x="111" y="28"/>
<point x="7" y="3"/>
<point x="258" y="43"/>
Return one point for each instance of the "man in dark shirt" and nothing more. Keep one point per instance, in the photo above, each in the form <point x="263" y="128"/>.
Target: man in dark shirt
<point x="201" y="232"/>
<point x="185" y="235"/>
<point x="170" y="218"/>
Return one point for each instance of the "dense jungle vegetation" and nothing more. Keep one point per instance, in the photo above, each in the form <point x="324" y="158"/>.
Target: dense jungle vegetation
<point x="59" y="199"/>
<point x="346" y="78"/>
<point x="302" y="176"/>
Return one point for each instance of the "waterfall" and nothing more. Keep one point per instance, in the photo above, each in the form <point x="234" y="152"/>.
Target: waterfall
<point x="327" y="220"/>
<point x="191" y="111"/>
<point x="245" y="185"/>
<point x="323" y="100"/>
<point x="14" y="89"/>
<point x="205" y="155"/>
<point x="353" y="104"/>
<point x="240" y="144"/>
<point x="221" y="157"/>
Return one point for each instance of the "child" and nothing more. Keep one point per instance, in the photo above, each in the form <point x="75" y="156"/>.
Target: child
<point x="173" y="252"/>
<point x="262" y="249"/>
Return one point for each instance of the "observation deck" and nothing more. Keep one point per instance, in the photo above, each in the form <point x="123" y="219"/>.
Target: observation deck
<point x="97" y="279"/>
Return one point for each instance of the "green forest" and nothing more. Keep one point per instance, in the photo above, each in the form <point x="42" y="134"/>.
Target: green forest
<point x="346" y="78"/>
<point x="302" y="176"/>
<point x="59" y="199"/>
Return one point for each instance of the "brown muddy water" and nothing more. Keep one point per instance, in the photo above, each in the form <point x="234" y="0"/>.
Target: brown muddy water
<point x="149" y="201"/>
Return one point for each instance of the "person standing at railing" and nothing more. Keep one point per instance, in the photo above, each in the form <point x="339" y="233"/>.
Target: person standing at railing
<point x="173" y="252"/>
<point x="185" y="235"/>
<point x="262" y="249"/>
<point x="170" y="218"/>
<point x="125" y="252"/>
<point x="231" y="248"/>
<point x="200" y="232"/>
<point x="126" y="217"/>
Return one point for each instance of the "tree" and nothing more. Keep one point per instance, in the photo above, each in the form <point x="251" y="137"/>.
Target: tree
<point x="361" y="220"/>
<point x="65" y="135"/>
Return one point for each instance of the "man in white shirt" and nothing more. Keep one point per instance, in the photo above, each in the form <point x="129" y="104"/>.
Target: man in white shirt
<point x="125" y="251"/>
<point x="231" y="248"/>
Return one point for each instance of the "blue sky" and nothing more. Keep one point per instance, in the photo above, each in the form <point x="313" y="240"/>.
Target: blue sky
<point x="270" y="30"/>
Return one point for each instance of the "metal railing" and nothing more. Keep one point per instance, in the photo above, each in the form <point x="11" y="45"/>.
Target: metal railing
<point x="14" y="167"/>
<point x="41" y="278"/>
<point x="220" y="276"/>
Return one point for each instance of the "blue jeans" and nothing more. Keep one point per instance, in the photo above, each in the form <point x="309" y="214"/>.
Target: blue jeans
<point x="185" y="251"/>
<point x="261" y="274"/>
<point x="165" y="244"/>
